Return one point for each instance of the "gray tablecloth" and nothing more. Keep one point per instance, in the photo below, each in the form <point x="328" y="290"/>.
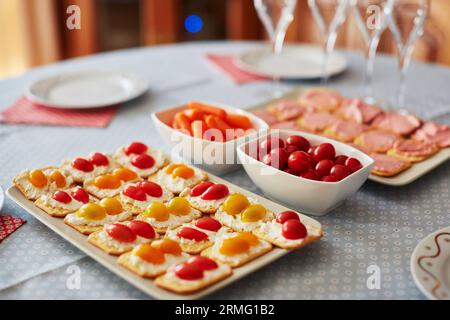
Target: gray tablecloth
<point x="379" y="226"/>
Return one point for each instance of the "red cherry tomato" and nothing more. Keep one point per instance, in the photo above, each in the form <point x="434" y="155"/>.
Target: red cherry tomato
<point x="80" y="195"/>
<point x="143" y="161"/>
<point x="135" y="193"/>
<point x="290" y="171"/>
<point x="62" y="196"/>
<point x="340" y="159"/>
<point x="82" y="165"/>
<point x="310" y="174"/>
<point x="99" y="159"/>
<point x="200" y="188"/>
<point x="291" y="148"/>
<point x="353" y="164"/>
<point x="298" y="141"/>
<point x="340" y="171"/>
<point x="207" y="223"/>
<point x="330" y="179"/>
<point x="217" y="191"/>
<point x="311" y="150"/>
<point x="278" y="158"/>
<point x="150" y="188"/>
<point x="293" y="230"/>
<point x="287" y="215"/>
<point x="135" y="148"/>
<point x="203" y="263"/>
<point x="268" y="144"/>
<point x="142" y="229"/>
<point x="324" y="151"/>
<point x="188" y="271"/>
<point x="299" y="161"/>
<point x="323" y="167"/>
<point x="120" y="232"/>
<point x="192" y="234"/>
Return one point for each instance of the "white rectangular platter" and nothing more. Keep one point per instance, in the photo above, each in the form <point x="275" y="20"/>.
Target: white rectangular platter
<point x="416" y="171"/>
<point x="147" y="285"/>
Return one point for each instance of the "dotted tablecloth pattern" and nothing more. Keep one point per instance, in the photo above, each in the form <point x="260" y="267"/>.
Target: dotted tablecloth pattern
<point x="378" y="226"/>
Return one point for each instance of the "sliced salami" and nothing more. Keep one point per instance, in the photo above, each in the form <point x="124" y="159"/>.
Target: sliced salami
<point x="345" y="131"/>
<point x="401" y="124"/>
<point x="286" y="110"/>
<point x="317" y="121"/>
<point x="320" y="99"/>
<point x="431" y="132"/>
<point x="377" y="141"/>
<point x="415" y="148"/>
<point x="358" y="111"/>
<point x="266" y="116"/>
<point x="388" y="166"/>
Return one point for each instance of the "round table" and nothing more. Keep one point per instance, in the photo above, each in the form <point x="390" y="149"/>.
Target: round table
<point x="365" y="253"/>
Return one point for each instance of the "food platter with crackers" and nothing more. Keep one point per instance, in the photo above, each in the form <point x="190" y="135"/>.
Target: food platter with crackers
<point x="170" y="229"/>
<point x="403" y="146"/>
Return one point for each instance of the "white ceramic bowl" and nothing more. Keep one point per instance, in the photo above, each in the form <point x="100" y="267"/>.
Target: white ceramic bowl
<point x="215" y="157"/>
<point x="308" y="196"/>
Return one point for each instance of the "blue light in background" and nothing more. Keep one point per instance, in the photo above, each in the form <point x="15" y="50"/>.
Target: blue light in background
<point x="193" y="24"/>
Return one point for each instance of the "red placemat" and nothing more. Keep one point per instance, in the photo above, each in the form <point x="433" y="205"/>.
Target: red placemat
<point x="9" y="224"/>
<point x="225" y="62"/>
<point x="23" y="111"/>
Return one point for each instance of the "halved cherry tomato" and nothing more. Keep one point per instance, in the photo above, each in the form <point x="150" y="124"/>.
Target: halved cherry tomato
<point x="293" y="230"/>
<point x="125" y="174"/>
<point x="183" y="172"/>
<point x="192" y="234"/>
<point x="340" y="159"/>
<point x="187" y="271"/>
<point x="37" y="178"/>
<point x="135" y="193"/>
<point x="111" y="205"/>
<point x="324" y="151"/>
<point x="150" y="188"/>
<point x="135" y="148"/>
<point x="208" y="223"/>
<point x="353" y="164"/>
<point x="323" y="167"/>
<point x="203" y="262"/>
<point x="99" y="159"/>
<point x="298" y="141"/>
<point x="200" y="188"/>
<point x="148" y="253"/>
<point x="82" y="165"/>
<point x="120" y="232"/>
<point x="217" y="191"/>
<point x="142" y="229"/>
<point x="340" y="171"/>
<point x="287" y="215"/>
<point x="58" y="178"/>
<point x="80" y="195"/>
<point x="299" y="161"/>
<point x="62" y="196"/>
<point x="233" y="246"/>
<point x="143" y="161"/>
<point x="168" y="246"/>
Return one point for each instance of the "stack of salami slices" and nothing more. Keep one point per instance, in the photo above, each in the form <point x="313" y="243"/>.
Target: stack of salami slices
<point x="394" y="140"/>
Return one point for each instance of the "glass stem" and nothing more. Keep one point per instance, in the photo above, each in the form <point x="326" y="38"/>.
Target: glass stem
<point x="277" y="48"/>
<point x="404" y="61"/>
<point x="370" y="64"/>
<point x="328" y="47"/>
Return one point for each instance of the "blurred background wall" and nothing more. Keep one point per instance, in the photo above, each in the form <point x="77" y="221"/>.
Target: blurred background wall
<point x="33" y="32"/>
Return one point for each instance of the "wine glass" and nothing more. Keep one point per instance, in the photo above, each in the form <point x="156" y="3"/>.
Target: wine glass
<point x="370" y="17"/>
<point x="406" y="22"/>
<point x="329" y="16"/>
<point x="276" y="16"/>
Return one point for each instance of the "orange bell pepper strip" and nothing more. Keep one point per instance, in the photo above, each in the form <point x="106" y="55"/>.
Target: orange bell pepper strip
<point x="208" y="109"/>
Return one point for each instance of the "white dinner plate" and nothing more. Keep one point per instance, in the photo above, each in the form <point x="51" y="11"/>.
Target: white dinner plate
<point x="295" y="62"/>
<point x="430" y="265"/>
<point x="86" y="89"/>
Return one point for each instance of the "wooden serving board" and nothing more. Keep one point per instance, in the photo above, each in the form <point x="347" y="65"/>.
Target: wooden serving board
<point x="147" y="285"/>
<point x="408" y="176"/>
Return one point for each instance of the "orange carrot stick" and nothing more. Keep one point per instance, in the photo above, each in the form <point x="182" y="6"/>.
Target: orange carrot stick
<point x="208" y="109"/>
<point x="239" y="121"/>
<point x="183" y="121"/>
<point x="197" y="128"/>
<point x="194" y="114"/>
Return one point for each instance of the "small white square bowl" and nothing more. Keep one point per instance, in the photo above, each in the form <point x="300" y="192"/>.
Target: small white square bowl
<point x="308" y="196"/>
<point x="213" y="156"/>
